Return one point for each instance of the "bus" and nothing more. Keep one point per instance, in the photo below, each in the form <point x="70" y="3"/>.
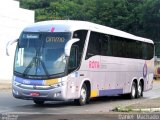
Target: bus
<point x="63" y="60"/>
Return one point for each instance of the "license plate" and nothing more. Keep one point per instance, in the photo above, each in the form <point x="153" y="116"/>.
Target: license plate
<point x="34" y="94"/>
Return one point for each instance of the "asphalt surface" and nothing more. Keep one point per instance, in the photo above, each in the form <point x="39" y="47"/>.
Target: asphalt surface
<point x="99" y="108"/>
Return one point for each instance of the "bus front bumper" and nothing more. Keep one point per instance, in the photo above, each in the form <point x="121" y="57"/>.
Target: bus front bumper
<point x="39" y="93"/>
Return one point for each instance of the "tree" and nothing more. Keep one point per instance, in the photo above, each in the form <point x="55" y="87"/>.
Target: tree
<point x="139" y="17"/>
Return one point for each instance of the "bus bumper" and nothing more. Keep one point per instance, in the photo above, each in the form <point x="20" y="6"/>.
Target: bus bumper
<point x="51" y="94"/>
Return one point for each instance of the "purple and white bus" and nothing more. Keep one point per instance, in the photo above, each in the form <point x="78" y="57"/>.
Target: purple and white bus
<point x="78" y="60"/>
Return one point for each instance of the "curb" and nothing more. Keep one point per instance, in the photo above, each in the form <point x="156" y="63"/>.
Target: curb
<point x="120" y="109"/>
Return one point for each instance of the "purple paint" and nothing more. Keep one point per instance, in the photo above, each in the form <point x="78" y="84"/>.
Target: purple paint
<point x="29" y="81"/>
<point x="145" y="69"/>
<point x="158" y="70"/>
<point x="110" y="92"/>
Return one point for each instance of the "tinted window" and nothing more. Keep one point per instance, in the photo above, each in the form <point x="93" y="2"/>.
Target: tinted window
<point x="122" y="47"/>
<point x="77" y="50"/>
<point x="108" y="45"/>
<point x="104" y="41"/>
<point x="81" y="34"/>
<point x="150" y="51"/>
<point x="94" y="45"/>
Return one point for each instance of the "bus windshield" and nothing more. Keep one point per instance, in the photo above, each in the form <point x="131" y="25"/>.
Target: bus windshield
<point x="41" y="54"/>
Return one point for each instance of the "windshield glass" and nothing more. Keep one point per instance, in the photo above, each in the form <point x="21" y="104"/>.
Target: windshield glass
<point x="41" y="54"/>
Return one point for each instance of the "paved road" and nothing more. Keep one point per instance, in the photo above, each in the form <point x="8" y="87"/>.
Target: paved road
<point x="103" y="105"/>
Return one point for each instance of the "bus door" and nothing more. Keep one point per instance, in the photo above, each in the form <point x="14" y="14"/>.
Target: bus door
<point x="93" y="58"/>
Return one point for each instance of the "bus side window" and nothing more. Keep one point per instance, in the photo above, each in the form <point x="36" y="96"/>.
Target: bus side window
<point x="144" y="52"/>
<point x="81" y="34"/>
<point x="150" y="51"/>
<point x="138" y="50"/>
<point x="94" y="45"/>
<point x="104" y="45"/>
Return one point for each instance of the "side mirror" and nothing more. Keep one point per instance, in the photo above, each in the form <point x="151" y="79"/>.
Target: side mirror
<point x="8" y="45"/>
<point x="68" y="45"/>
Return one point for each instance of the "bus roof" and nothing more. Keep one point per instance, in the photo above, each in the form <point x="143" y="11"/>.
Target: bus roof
<point x="73" y="25"/>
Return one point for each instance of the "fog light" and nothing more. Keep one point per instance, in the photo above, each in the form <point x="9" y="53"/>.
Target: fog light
<point x="15" y="92"/>
<point x="57" y="94"/>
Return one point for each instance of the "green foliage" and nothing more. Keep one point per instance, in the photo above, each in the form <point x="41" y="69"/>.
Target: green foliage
<point x="139" y="17"/>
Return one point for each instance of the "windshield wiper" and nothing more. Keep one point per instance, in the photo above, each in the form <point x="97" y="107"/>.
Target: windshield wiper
<point x="29" y="66"/>
<point x="44" y="67"/>
<point x="35" y="60"/>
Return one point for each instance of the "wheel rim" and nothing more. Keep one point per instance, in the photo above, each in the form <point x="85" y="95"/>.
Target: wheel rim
<point x="133" y="91"/>
<point x="139" y="89"/>
<point x="83" y="94"/>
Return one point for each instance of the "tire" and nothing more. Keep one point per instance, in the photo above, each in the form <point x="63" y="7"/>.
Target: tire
<point x="83" y="96"/>
<point x="133" y="93"/>
<point x="38" y="102"/>
<point x="140" y="90"/>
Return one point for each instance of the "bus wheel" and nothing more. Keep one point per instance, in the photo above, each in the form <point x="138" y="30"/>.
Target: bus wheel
<point x="38" y="102"/>
<point x="140" y="90"/>
<point x="83" y="96"/>
<point x="133" y="93"/>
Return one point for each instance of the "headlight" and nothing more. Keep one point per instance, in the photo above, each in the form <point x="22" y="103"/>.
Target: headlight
<point x="16" y="83"/>
<point x="58" y="85"/>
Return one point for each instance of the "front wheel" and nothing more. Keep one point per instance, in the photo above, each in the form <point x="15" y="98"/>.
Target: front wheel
<point x="83" y="96"/>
